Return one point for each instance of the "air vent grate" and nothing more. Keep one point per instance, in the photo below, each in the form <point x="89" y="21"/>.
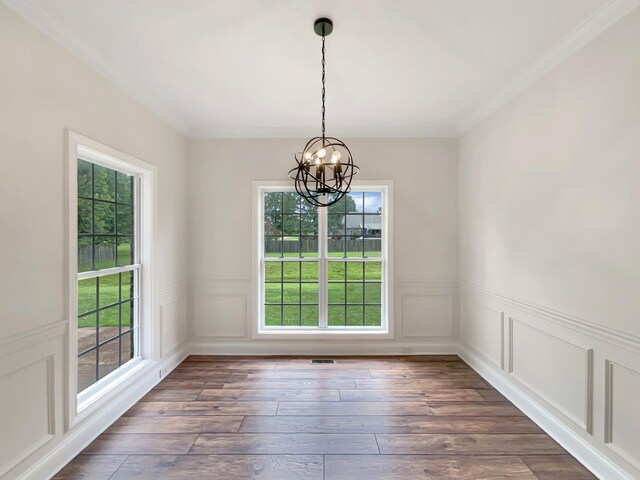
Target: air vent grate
<point x="322" y="361"/>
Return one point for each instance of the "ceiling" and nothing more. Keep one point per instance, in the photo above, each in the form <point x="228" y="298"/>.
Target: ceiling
<point x="251" y="68"/>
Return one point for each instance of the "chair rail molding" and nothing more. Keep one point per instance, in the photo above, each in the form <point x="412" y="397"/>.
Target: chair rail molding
<point x="615" y="337"/>
<point x="26" y="339"/>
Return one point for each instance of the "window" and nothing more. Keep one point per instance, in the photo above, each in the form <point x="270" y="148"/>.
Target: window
<point x="323" y="269"/>
<point x="111" y="293"/>
<point x="108" y="271"/>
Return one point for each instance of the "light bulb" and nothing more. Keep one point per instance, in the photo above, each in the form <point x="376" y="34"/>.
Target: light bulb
<point x="307" y="155"/>
<point x="317" y="161"/>
<point x="335" y="156"/>
<point x="321" y="153"/>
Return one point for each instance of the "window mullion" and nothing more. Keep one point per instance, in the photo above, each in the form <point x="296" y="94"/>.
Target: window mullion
<point x="322" y="268"/>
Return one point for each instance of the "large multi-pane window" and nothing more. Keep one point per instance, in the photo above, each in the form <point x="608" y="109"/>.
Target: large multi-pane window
<point x="107" y="277"/>
<point x="323" y="267"/>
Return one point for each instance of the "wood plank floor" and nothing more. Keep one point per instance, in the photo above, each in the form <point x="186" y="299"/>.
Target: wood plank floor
<point x="281" y="418"/>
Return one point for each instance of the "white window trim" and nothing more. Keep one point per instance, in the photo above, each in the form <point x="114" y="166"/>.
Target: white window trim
<point x="387" y="330"/>
<point x="88" y="402"/>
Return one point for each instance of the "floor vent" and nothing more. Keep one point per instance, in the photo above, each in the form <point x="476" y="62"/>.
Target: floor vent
<point x="322" y="361"/>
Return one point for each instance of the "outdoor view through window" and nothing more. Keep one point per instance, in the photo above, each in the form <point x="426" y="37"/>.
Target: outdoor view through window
<point x="323" y="266"/>
<point x="107" y="271"/>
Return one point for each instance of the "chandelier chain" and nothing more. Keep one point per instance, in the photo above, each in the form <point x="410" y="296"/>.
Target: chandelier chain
<point x="323" y="85"/>
<point x="324" y="168"/>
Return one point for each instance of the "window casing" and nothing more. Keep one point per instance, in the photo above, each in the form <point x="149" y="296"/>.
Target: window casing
<point x="322" y="269"/>
<point x="112" y="277"/>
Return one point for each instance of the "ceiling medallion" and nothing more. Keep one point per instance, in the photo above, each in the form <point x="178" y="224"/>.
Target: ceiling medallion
<point x="325" y="167"/>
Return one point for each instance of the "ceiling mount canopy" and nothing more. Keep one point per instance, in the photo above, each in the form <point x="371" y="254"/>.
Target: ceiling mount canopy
<point x="325" y="166"/>
<point x="323" y="26"/>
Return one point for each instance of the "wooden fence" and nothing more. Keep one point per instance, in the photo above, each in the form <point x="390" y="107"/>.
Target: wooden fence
<point x="311" y="245"/>
<point x="102" y="253"/>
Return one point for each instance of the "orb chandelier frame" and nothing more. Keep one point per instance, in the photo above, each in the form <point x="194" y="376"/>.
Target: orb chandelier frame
<point x="325" y="167"/>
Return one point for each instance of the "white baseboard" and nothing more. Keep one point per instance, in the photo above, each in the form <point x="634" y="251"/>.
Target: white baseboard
<point x="287" y="347"/>
<point x="584" y="452"/>
<point x="85" y="433"/>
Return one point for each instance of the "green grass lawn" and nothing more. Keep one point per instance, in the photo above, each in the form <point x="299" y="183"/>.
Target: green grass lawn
<point x="337" y="271"/>
<point x="330" y="254"/>
<point x="354" y="284"/>
<point x="307" y="293"/>
<point x="109" y="293"/>
<point x="307" y="315"/>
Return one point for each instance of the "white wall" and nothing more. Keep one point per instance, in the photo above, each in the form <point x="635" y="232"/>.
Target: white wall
<point x="44" y="90"/>
<point x="425" y="222"/>
<point x="549" y="190"/>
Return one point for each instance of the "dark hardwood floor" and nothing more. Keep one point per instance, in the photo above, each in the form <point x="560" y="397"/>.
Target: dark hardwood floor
<point x="281" y="418"/>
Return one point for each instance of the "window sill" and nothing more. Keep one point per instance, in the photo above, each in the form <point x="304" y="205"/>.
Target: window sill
<point x="97" y="395"/>
<point x="324" y="333"/>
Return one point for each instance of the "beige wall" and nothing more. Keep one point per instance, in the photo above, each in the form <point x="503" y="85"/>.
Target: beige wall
<point x="424" y="175"/>
<point x="221" y="172"/>
<point x="44" y="90"/>
<point x="549" y="190"/>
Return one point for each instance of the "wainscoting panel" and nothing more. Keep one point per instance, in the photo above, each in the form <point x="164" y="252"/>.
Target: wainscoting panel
<point x="483" y="329"/>
<point x="220" y="312"/>
<point x="424" y="318"/>
<point x="221" y="315"/>
<point x="31" y="385"/>
<point x="220" y="309"/>
<point x="425" y="309"/>
<point x="427" y="315"/>
<point x="578" y="380"/>
<point x="622" y="422"/>
<point x="556" y="370"/>
<point x="173" y="317"/>
<point x="34" y="440"/>
<point x="27" y="389"/>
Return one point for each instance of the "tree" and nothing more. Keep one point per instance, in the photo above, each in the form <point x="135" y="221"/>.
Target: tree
<point x="98" y="215"/>
<point x="288" y="214"/>
<point x="336" y="215"/>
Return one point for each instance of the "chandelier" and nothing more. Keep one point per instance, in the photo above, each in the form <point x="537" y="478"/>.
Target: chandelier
<point x="325" y="166"/>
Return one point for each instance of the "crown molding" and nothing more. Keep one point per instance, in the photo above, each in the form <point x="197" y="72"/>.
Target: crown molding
<point x="33" y="13"/>
<point x="593" y="26"/>
<point x="42" y="20"/>
<point x="286" y="132"/>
